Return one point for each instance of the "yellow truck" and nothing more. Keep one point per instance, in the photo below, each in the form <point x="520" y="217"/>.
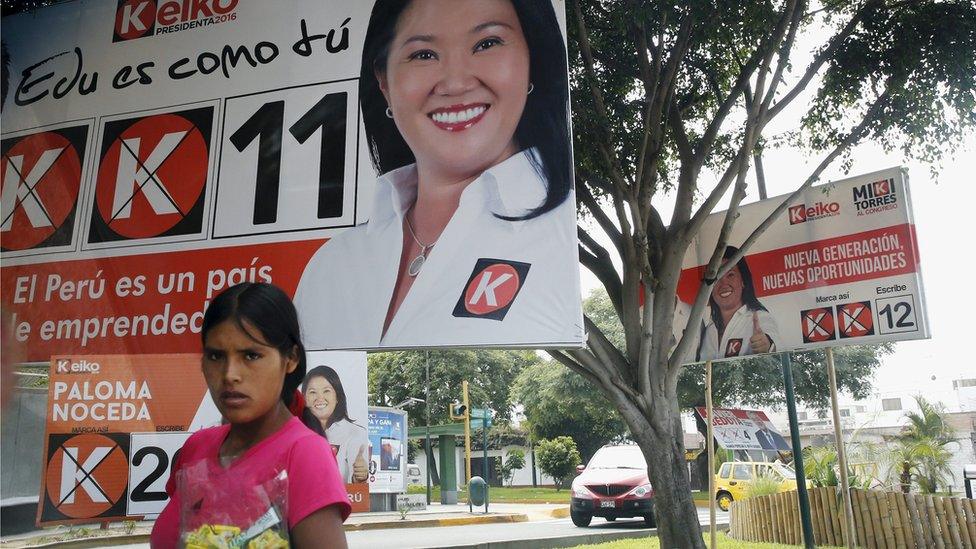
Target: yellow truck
<point x="733" y="479"/>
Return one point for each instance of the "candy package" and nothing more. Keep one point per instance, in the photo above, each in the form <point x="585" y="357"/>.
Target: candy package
<point x="219" y="509"/>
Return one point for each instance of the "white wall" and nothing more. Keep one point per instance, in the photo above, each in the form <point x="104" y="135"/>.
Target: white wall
<point x="522" y="477"/>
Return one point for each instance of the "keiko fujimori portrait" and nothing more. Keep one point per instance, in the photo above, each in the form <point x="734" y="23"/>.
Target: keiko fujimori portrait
<point x="471" y="240"/>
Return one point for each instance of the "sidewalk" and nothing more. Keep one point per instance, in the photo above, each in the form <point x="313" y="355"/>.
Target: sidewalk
<point x="434" y="516"/>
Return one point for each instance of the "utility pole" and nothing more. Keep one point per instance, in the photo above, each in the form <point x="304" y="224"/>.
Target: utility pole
<point x="430" y="455"/>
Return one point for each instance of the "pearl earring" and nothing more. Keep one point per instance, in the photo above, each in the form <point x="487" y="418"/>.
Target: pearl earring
<point x="531" y="87"/>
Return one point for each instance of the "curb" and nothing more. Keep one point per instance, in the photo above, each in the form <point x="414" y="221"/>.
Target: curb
<point x="86" y="543"/>
<point x="586" y="538"/>
<point x="131" y="539"/>
<point x="428" y="523"/>
<point x="562" y="512"/>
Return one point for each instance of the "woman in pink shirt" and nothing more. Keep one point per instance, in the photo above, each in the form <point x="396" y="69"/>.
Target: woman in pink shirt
<point x="253" y="361"/>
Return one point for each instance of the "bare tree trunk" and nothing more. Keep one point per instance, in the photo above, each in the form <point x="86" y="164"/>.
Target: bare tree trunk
<point x="662" y="443"/>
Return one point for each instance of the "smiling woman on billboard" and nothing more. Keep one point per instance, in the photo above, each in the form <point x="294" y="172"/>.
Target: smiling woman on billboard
<point x="326" y="401"/>
<point x="472" y="235"/>
<point x="738" y="324"/>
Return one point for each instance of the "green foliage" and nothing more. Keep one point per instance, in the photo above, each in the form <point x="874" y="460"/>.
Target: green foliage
<point x="557" y="401"/>
<point x="500" y="435"/>
<point x="762" y="486"/>
<point x="922" y="454"/>
<point x="678" y="98"/>
<point x="820" y="465"/>
<point x="921" y="53"/>
<point x="490" y="374"/>
<point x="759" y="381"/>
<point x="514" y="461"/>
<point x="756" y="381"/>
<point x="558" y="458"/>
<point x="928" y="422"/>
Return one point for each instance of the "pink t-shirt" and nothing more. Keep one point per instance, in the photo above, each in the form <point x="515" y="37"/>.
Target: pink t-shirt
<point x="314" y="481"/>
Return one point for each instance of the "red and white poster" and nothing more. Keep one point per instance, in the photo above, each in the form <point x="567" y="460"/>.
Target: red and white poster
<point x="736" y="429"/>
<point x="840" y="268"/>
<point x="334" y="389"/>
<point x="156" y="153"/>
<point x="114" y="424"/>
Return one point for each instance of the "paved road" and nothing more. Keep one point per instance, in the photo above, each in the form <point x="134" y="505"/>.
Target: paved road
<point x="451" y="536"/>
<point x="484" y="533"/>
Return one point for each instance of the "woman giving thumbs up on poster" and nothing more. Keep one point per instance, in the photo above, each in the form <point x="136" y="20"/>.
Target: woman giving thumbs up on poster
<point x="738" y="324"/>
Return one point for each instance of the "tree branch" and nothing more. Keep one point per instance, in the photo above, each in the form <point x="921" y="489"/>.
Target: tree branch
<point x="851" y="138"/>
<point x="602" y="268"/>
<point x="598" y="100"/>
<point x="601" y="217"/>
<point x="606" y="351"/>
<point x="821" y="58"/>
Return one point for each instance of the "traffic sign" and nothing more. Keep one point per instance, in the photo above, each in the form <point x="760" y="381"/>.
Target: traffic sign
<point x="481" y="417"/>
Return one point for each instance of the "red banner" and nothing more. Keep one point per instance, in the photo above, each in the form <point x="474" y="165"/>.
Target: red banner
<point x="150" y="303"/>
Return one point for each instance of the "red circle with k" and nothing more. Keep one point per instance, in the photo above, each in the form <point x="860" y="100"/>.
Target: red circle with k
<point x="41" y="179"/>
<point x="492" y="289"/>
<point x="856" y="319"/>
<point x="151" y="176"/>
<point x="87" y="475"/>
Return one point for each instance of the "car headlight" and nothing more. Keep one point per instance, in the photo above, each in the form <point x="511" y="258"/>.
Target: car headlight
<point x="642" y="490"/>
<point x="580" y="492"/>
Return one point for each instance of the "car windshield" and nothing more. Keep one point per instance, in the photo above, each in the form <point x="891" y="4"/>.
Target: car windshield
<point x="618" y="457"/>
<point x="787" y="472"/>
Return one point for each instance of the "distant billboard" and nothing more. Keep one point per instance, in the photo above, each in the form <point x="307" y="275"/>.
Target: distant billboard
<point x="388" y="447"/>
<point x="841" y="267"/>
<point x="744" y="430"/>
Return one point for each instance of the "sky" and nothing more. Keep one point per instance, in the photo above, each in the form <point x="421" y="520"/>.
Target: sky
<point x="945" y="222"/>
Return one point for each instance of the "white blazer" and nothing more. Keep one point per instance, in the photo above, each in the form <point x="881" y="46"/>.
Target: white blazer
<point x="486" y="281"/>
<point x="735" y="339"/>
<point x="348" y="442"/>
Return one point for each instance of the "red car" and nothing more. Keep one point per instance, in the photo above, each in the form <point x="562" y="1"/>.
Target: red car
<point x="613" y="484"/>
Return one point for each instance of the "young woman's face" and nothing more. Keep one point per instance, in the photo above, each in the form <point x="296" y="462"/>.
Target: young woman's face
<point x="320" y="397"/>
<point x="727" y="291"/>
<point x="456" y="79"/>
<point x="245" y="377"/>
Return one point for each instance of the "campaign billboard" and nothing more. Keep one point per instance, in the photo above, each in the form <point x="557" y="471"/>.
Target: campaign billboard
<point x="115" y="423"/>
<point x="840" y="267"/>
<point x="113" y="427"/>
<point x="335" y="392"/>
<point x="388" y="450"/>
<point x="736" y="429"/>
<point x="155" y="153"/>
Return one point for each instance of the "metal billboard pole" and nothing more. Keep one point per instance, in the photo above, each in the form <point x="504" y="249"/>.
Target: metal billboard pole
<point x="801" y="479"/>
<point x="711" y="454"/>
<point x="430" y="455"/>
<point x="845" y="484"/>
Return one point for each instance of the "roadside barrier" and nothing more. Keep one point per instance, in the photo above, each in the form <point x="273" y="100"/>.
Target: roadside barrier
<point x="883" y="520"/>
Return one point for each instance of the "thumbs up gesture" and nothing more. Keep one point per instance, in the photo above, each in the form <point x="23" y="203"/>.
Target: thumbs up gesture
<point x="759" y="342"/>
<point x="359" y="469"/>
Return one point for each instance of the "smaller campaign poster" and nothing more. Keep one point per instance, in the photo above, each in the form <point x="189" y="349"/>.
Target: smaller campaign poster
<point x="840" y="267"/>
<point x="335" y="393"/>
<point x="114" y="425"/>
<point x="388" y="450"/>
<point x="736" y="429"/>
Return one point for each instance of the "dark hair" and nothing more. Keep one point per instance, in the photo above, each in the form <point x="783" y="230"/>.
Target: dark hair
<point x="748" y="288"/>
<point x="545" y="120"/>
<point x="341" y="410"/>
<point x="270" y="310"/>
